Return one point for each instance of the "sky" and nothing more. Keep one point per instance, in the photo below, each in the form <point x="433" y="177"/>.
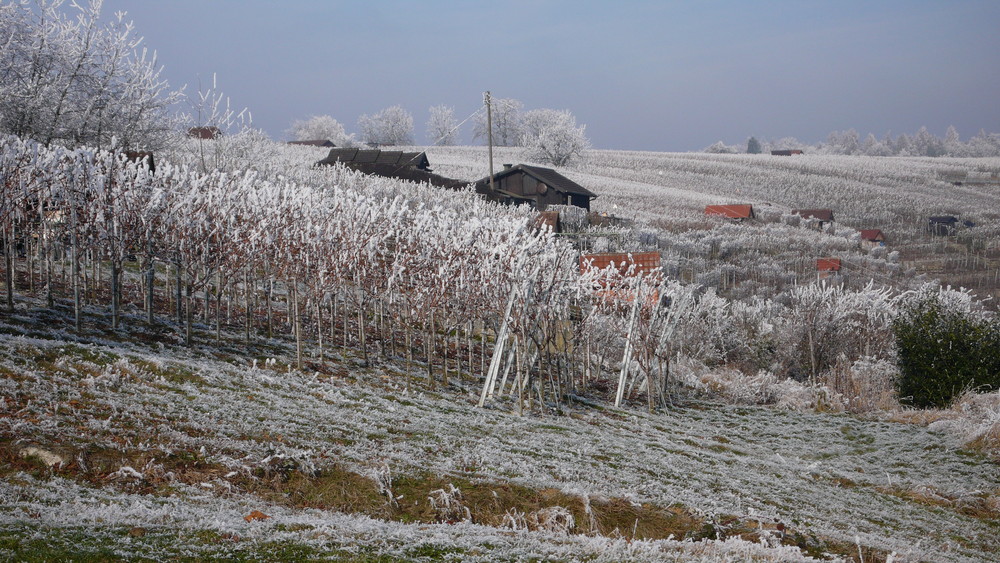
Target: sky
<point x="656" y="75"/>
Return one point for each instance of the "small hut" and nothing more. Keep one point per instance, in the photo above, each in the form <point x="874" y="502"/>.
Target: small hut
<point x="871" y="238"/>
<point x="820" y="217"/>
<point x="739" y="212"/>
<point x="826" y="267"/>
<point x="942" y="225"/>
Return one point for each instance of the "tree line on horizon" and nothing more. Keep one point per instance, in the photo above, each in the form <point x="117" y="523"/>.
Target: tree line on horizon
<point x="849" y="142"/>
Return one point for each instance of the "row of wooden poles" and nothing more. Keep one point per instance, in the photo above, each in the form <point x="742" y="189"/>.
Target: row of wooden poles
<point x="539" y="367"/>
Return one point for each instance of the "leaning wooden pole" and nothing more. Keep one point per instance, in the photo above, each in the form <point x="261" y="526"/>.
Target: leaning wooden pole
<point x="498" y="349"/>
<point x="627" y="356"/>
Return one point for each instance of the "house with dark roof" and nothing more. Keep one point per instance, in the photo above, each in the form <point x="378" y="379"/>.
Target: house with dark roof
<point x="355" y="158"/>
<point x="820" y="216"/>
<point x="412" y="166"/>
<point x="737" y="212"/>
<point x="314" y="143"/>
<point x="535" y="186"/>
<point x="942" y="225"/>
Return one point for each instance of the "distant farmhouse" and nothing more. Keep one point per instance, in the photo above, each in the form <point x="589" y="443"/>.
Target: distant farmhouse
<point x="786" y="152"/>
<point x="826" y="267"/>
<point x="871" y="238"/>
<point x="412" y="166"/>
<point x="315" y="143"/>
<point x="821" y="216"/>
<point x="942" y="225"/>
<point x="208" y="132"/>
<point x="738" y="212"/>
<point x="522" y="184"/>
<point x="359" y="158"/>
<point x="535" y="186"/>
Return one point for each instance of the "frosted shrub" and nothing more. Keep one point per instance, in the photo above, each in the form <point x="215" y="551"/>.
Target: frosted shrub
<point x="868" y="384"/>
<point x="944" y="348"/>
<point x="975" y="420"/>
<point x="553" y="519"/>
<point x="448" y="505"/>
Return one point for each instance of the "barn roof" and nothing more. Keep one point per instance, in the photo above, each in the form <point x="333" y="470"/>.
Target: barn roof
<point x="626" y="263"/>
<point x="548" y="176"/>
<point x="737" y="211"/>
<point x="828" y="264"/>
<point x="944" y="219"/>
<point x="375" y="156"/>
<point x="204" y="132"/>
<point x="821" y="214"/>
<point x="872" y="234"/>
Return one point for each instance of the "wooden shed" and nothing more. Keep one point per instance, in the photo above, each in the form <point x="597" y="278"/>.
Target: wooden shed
<point x="536" y="186"/>
<point x="622" y="265"/>
<point x="314" y="143"/>
<point x="207" y="132"/>
<point x="822" y="216"/>
<point x="737" y="212"/>
<point x="942" y="225"/>
<point x="632" y="264"/>
<point x="826" y="267"/>
<point x="871" y="238"/>
<point x="411" y="166"/>
<point x="357" y="158"/>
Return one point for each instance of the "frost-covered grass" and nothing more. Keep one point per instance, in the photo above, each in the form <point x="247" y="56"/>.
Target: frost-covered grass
<point x="186" y="443"/>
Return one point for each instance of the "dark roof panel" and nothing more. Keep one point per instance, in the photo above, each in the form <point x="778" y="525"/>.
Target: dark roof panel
<point x="547" y="176"/>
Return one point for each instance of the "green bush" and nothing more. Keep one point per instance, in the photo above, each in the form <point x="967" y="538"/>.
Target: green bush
<point x="943" y="351"/>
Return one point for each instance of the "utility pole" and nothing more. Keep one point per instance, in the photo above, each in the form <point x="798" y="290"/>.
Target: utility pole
<point x="489" y="133"/>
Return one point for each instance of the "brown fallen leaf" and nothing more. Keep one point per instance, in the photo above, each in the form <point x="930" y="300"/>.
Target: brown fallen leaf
<point x="256" y="515"/>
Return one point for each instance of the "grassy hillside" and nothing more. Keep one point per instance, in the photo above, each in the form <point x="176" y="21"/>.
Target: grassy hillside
<point x="126" y="444"/>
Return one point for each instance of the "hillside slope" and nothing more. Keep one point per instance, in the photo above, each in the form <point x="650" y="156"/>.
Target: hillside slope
<point x="126" y="444"/>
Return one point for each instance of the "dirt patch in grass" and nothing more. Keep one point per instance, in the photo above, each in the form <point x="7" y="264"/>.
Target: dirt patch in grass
<point x="981" y="505"/>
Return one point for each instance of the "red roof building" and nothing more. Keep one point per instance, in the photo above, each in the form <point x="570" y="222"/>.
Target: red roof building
<point x="826" y="267"/>
<point x="739" y="211"/>
<point x="872" y="237"/>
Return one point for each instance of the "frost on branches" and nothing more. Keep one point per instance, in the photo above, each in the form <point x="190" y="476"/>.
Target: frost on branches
<point x="552" y="136"/>
<point x="320" y="127"/>
<point x="70" y="79"/>
<point x="391" y="126"/>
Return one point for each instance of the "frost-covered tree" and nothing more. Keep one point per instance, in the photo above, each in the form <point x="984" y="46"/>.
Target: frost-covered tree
<point x="926" y="144"/>
<point x="320" y="127"/>
<point x="70" y="78"/>
<point x="984" y="144"/>
<point x="874" y="147"/>
<point x="442" y="126"/>
<point x="391" y="126"/>
<point x="552" y="136"/>
<point x="753" y="146"/>
<point x="720" y="148"/>
<point x="843" y="142"/>
<point x="507" y="123"/>
<point x="953" y="145"/>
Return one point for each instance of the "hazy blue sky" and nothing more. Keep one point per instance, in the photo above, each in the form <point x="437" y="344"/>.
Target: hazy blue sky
<point x="671" y="76"/>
